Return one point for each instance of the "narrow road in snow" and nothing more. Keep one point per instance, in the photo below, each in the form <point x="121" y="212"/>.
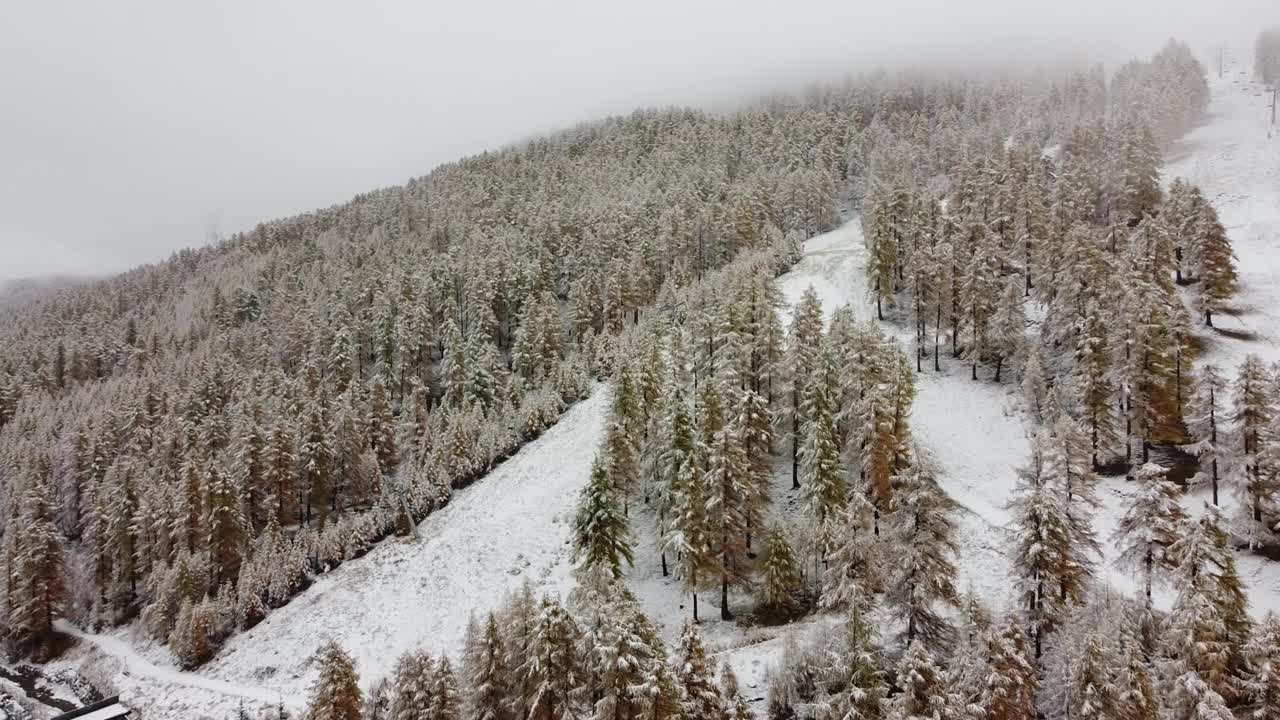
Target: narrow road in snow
<point x="138" y="666"/>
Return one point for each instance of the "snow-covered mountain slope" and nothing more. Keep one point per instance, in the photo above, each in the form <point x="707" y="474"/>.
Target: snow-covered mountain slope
<point x="976" y="430"/>
<point x="1235" y="159"/>
<point x="511" y="525"/>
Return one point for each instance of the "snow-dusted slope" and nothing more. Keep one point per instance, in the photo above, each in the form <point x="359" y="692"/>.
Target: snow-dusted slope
<point x="513" y="524"/>
<point x="403" y="595"/>
<point x="973" y="428"/>
<point x="976" y="430"/>
<point x="1235" y="159"/>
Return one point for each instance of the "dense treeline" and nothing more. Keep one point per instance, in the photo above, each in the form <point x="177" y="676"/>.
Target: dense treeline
<point x="192" y="441"/>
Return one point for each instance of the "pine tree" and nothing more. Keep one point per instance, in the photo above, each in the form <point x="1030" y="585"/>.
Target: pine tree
<point x="925" y="695"/>
<point x="36" y="584"/>
<point x="856" y="684"/>
<point x="755" y="424"/>
<point x="1093" y="694"/>
<point x="698" y="693"/>
<point x="659" y="693"/>
<point x="227" y="533"/>
<point x="336" y="694"/>
<point x="851" y="571"/>
<point x="251" y="466"/>
<point x="622" y="439"/>
<point x="1009" y="689"/>
<point x="519" y="623"/>
<point x="1136" y="695"/>
<point x="882" y="247"/>
<point x="1252" y="410"/>
<point x="600" y="528"/>
<point x="1008" y="326"/>
<point x="691" y="534"/>
<point x="1151" y="525"/>
<point x="1191" y="698"/>
<point x="1215" y="264"/>
<point x="729" y="483"/>
<point x="804" y="347"/>
<point x="1208" y="427"/>
<point x="781" y="579"/>
<point x="414" y="677"/>
<point x="316" y="458"/>
<point x="1097" y="394"/>
<point x="1137" y="182"/>
<point x="1208" y="625"/>
<point x="821" y="468"/>
<point x="979" y="294"/>
<point x="382" y="430"/>
<point x="444" y="693"/>
<point x="190" y="641"/>
<point x="923" y="574"/>
<point x="1041" y="552"/>
<point x="454" y="365"/>
<point x="1260" y="685"/>
<point x="377" y="702"/>
<point x="1074" y="480"/>
<point x="489" y="676"/>
<point x="675" y="457"/>
<point x="281" y="474"/>
<point x="624" y="651"/>
<point x="553" y="667"/>
<point x="1035" y="384"/>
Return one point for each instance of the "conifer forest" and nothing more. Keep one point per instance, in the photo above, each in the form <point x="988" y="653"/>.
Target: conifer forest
<point x="922" y="394"/>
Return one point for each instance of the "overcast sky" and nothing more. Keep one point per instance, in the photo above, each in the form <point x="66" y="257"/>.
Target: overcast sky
<point x="129" y="129"/>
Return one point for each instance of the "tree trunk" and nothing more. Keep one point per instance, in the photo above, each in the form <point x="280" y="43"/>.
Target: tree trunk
<point x="664" y="563"/>
<point x="795" y="439"/>
<point x="695" y="606"/>
<point x="1148" y="561"/>
<point x="937" y="330"/>
<point x="724" y="599"/>
<point x="1215" y="481"/>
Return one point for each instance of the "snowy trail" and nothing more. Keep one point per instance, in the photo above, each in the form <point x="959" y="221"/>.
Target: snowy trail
<point x="140" y="667"/>
<point x="511" y="525"/>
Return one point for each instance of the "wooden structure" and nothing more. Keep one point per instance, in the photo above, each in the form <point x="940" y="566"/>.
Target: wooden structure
<point x="109" y="709"/>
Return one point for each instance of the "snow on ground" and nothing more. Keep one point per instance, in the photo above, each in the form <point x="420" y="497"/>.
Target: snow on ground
<point x="1235" y="159"/>
<point x="975" y="429"/>
<point x="972" y="427"/>
<point x="404" y="595"/>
